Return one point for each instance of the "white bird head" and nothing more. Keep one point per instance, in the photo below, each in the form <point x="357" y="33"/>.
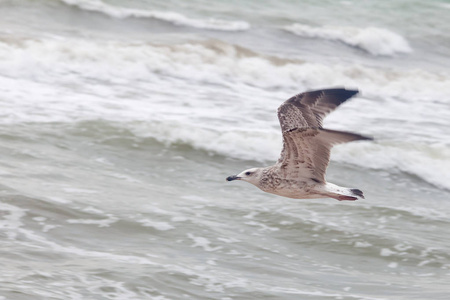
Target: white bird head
<point x="252" y="176"/>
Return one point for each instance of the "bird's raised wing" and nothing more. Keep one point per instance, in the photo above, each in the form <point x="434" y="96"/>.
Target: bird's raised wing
<point x="308" y="109"/>
<point x="306" y="145"/>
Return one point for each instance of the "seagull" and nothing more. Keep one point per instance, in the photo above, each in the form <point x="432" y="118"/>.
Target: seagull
<point x="299" y="173"/>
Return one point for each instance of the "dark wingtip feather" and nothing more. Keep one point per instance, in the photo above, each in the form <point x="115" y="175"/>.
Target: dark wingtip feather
<point x="341" y="94"/>
<point x="342" y="91"/>
<point x="338" y="137"/>
<point x="357" y="193"/>
<point x="365" y="138"/>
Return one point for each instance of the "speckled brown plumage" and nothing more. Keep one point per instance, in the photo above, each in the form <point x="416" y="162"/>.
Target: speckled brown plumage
<point x="300" y="170"/>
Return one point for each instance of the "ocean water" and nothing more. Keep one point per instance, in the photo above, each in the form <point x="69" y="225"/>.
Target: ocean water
<point x="120" y="120"/>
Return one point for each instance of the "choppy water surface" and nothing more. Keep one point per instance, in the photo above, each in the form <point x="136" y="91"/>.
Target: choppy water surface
<point x="119" y="121"/>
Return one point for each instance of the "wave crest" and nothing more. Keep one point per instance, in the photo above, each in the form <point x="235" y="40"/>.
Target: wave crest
<point x="429" y="162"/>
<point x="213" y="62"/>
<point x="46" y="66"/>
<point x="167" y="16"/>
<point x="376" y="41"/>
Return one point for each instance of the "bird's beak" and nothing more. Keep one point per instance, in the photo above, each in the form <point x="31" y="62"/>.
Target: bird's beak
<point x="233" y="177"/>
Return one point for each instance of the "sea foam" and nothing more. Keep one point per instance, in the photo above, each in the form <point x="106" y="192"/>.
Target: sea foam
<point x="167" y="16"/>
<point x="376" y="41"/>
<point x="430" y="162"/>
<point x="233" y="113"/>
<point x="217" y="63"/>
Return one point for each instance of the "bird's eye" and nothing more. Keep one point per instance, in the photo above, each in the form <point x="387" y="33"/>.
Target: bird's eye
<point x="248" y="173"/>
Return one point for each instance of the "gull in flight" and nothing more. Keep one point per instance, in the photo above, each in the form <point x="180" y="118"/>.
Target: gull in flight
<point x="299" y="173"/>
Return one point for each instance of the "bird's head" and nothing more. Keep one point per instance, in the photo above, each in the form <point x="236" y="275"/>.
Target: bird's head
<point x="251" y="175"/>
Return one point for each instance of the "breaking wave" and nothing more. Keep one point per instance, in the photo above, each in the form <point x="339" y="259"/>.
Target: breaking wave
<point x="167" y="16"/>
<point x="376" y="41"/>
<point x="212" y="62"/>
<point x="430" y="163"/>
<point x="103" y="73"/>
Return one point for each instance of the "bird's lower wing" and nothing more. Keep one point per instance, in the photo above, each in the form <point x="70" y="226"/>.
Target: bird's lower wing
<point x="306" y="152"/>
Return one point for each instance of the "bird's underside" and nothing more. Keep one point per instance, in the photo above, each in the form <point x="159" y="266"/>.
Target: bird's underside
<point x="300" y="171"/>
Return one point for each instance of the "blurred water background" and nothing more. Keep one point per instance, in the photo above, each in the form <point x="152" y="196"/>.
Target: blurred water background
<point x="119" y="121"/>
